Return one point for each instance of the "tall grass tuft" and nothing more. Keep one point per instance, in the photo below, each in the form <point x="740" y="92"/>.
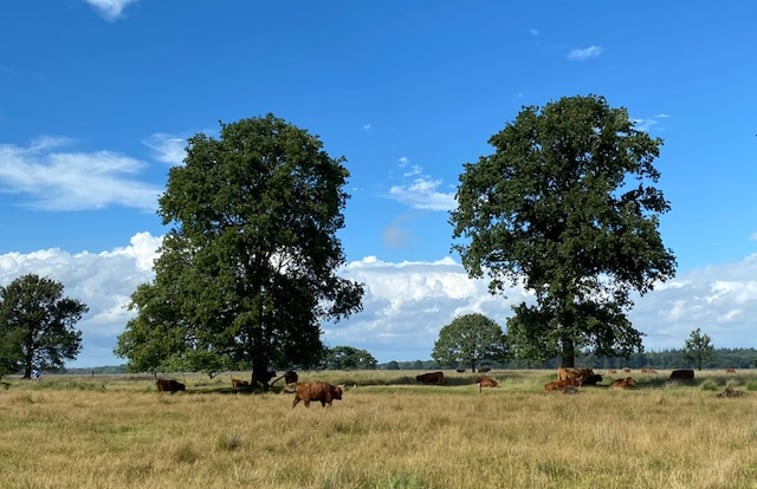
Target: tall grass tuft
<point x="229" y="441"/>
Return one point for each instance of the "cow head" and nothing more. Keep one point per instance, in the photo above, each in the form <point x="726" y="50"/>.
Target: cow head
<point x="336" y="392"/>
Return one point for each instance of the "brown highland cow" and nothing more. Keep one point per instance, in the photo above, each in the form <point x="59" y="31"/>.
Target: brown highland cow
<point x="316" y="391"/>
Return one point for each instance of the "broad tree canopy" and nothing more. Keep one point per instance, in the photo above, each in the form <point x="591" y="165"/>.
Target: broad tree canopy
<point x="248" y="270"/>
<point x="37" y="325"/>
<point x="566" y="207"/>
<point x="468" y="340"/>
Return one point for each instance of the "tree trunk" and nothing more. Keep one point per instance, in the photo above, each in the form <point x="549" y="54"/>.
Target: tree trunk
<point x="473" y="366"/>
<point x="568" y="353"/>
<point x="28" y="356"/>
<point x="260" y="374"/>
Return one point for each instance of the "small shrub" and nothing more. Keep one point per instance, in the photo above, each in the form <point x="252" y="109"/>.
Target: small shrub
<point x="229" y="442"/>
<point x="751" y="385"/>
<point x="709" y="385"/>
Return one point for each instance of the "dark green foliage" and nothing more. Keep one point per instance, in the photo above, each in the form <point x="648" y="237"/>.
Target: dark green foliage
<point x="698" y="348"/>
<point x="468" y="340"/>
<point x="37" y="325"/>
<point x="393" y="365"/>
<point x="348" y="358"/>
<point x="565" y="207"/>
<point x="247" y="272"/>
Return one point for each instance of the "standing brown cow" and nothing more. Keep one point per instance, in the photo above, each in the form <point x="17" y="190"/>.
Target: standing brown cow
<point x="169" y="386"/>
<point x="316" y="391"/>
<point x="431" y="378"/>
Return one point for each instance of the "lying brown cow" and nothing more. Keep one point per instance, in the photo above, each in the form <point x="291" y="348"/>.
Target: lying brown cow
<point x="240" y="385"/>
<point x="559" y="385"/>
<point x="316" y="391"/>
<point x="626" y="383"/>
<point x="485" y="382"/>
<point x="585" y="375"/>
<point x="648" y="371"/>
<point x="431" y="378"/>
<point x="169" y="386"/>
<point x="730" y="370"/>
<point x="684" y="374"/>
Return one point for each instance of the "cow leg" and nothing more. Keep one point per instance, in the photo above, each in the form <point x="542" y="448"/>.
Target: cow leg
<point x="296" y="400"/>
<point x="306" y="402"/>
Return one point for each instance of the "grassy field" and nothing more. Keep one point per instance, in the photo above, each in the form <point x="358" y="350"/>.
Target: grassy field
<point x="387" y="432"/>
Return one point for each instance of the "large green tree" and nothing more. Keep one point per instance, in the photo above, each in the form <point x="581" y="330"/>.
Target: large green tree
<point x="37" y="325"/>
<point x="566" y="207"/>
<point x="698" y="348"/>
<point x="468" y="340"/>
<point x="248" y="270"/>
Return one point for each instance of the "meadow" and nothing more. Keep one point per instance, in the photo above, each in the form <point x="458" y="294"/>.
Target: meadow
<point x="387" y="432"/>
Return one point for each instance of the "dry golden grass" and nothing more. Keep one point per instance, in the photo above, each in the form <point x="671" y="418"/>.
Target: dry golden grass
<point x="117" y="432"/>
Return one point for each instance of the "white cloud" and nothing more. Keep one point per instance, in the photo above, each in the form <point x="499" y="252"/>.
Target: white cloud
<point x="721" y="300"/>
<point x="168" y="148"/>
<point x="423" y="193"/>
<point x="367" y="128"/>
<point x="646" y="124"/>
<point x="585" y="53"/>
<point x="110" y="9"/>
<point x="63" y="181"/>
<point x="534" y="32"/>
<point x="405" y="303"/>
<point x="104" y="281"/>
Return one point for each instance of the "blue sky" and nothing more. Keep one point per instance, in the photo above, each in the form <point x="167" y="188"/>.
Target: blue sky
<point x="97" y="98"/>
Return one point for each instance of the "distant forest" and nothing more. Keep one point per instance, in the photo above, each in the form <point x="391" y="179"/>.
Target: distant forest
<point x="666" y="359"/>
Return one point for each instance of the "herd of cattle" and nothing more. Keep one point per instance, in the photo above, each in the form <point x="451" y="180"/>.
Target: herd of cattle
<point x="569" y="380"/>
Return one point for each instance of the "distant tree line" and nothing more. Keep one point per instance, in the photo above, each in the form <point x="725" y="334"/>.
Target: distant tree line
<point x="664" y="359"/>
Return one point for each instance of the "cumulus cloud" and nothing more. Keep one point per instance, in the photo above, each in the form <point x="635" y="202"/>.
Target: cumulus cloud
<point x="423" y="193"/>
<point x="585" y="53"/>
<point x="63" y="181"/>
<point x="104" y="281"/>
<point x="721" y="300"/>
<point x="167" y="148"/>
<point x="110" y="9"/>
<point x="405" y="303"/>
